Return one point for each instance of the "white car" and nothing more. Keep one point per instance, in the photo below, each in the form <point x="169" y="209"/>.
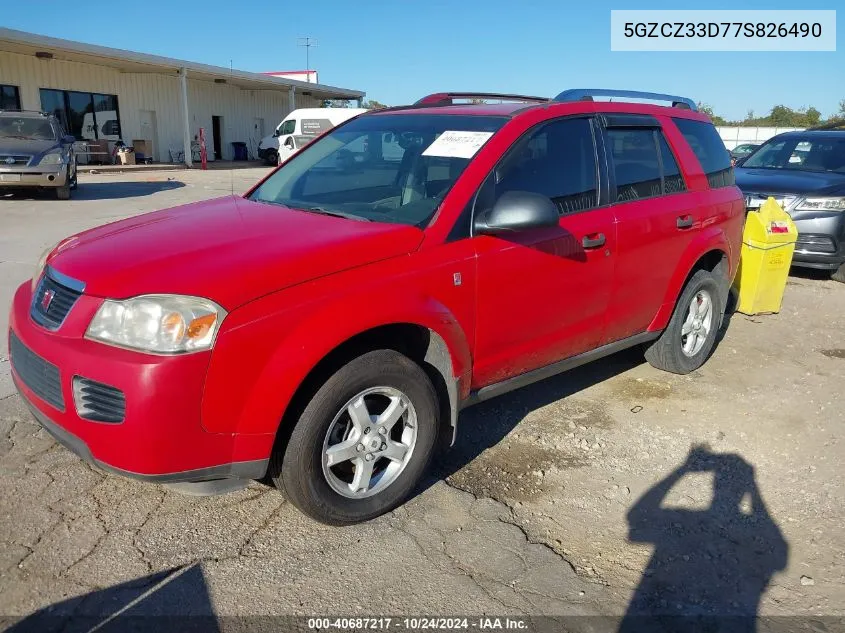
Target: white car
<point x="310" y="122"/>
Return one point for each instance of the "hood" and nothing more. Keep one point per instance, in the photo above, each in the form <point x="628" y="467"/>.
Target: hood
<point x="230" y="250"/>
<point x="770" y="181"/>
<point x="25" y="146"/>
<point x="269" y="141"/>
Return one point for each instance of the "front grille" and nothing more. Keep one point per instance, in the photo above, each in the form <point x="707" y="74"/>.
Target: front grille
<point x="51" y="302"/>
<point x="815" y="243"/>
<point x="36" y="373"/>
<point x="754" y="200"/>
<point x="97" y="401"/>
<point x="16" y="159"/>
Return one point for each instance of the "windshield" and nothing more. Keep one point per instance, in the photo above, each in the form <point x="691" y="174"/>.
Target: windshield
<point x="38" y="129"/>
<point x="384" y="167"/>
<point x="801" y="154"/>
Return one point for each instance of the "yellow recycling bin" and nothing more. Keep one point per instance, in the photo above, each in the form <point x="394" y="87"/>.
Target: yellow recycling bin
<point x="768" y="242"/>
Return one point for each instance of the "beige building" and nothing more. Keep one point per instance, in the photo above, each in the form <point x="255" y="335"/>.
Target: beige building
<point x="107" y="94"/>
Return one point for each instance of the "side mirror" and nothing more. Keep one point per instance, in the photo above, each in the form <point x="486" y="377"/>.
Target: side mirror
<point x="518" y="211"/>
<point x="68" y="138"/>
<point x="388" y="137"/>
<point x="276" y="133"/>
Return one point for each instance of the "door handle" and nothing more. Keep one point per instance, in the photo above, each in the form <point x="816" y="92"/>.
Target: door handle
<point x="684" y="221"/>
<point x="593" y="241"/>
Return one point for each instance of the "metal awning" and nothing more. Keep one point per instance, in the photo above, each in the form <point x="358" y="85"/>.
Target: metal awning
<point x="25" y="43"/>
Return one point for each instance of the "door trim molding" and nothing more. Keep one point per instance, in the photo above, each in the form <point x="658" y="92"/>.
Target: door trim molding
<point x="535" y="375"/>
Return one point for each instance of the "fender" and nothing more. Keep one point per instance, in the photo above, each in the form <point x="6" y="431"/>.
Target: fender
<point x="250" y="383"/>
<point x="709" y="239"/>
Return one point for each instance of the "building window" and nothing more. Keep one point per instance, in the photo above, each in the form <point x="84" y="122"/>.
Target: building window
<point x="10" y="98"/>
<point x="88" y="116"/>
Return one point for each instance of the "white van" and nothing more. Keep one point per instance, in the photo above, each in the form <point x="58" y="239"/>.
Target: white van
<point x="303" y="122"/>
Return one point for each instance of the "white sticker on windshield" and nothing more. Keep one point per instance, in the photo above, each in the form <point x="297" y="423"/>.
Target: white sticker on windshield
<point x="455" y="144"/>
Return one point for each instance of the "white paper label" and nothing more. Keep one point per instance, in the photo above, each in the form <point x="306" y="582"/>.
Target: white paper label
<point x="455" y="144"/>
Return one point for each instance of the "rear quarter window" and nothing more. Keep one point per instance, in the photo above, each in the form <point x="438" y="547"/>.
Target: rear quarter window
<point x="710" y="150"/>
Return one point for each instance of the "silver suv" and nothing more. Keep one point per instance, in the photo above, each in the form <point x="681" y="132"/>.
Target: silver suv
<point x="36" y="153"/>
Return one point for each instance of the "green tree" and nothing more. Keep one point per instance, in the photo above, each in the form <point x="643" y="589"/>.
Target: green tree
<point x="708" y="110"/>
<point x="372" y="104"/>
<point x="813" y="116"/>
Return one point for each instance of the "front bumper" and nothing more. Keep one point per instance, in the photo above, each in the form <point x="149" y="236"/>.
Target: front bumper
<point x="47" y="176"/>
<point x="161" y="437"/>
<point x="821" y="241"/>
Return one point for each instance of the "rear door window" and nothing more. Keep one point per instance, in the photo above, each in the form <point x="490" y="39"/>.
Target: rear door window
<point x="643" y="164"/>
<point x="710" y="150"/>
<point x="636" y="164"/>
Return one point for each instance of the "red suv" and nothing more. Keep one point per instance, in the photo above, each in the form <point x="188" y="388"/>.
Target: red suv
<point x="325" y="328"/>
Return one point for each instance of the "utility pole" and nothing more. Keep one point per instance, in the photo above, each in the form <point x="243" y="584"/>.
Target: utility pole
<point x="308" y="43"/>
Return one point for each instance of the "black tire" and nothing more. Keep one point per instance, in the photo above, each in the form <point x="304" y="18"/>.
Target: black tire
<point x="74" y="181"/>
<point x="666" y="352"/>
<point x="839" y="274"/>
<point x="272" y="157"/>
<point x="298" y="473"/>
<point x="63" y="193"/>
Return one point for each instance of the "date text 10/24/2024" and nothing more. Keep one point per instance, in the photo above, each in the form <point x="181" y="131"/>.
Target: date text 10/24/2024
<point x="483" y="623"/>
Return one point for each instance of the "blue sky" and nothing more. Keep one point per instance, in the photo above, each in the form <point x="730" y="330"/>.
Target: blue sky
<point x="400" y="50"/>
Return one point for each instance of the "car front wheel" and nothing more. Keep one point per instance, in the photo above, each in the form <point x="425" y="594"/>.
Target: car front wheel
<point x="363" y="442"/>
<point x="63" y="193"/>
<point x="839" y="274"/>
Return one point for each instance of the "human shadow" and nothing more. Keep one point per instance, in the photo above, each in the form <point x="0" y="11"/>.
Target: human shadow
<point x="710" y="567"/>
<point x="170" y="600"/>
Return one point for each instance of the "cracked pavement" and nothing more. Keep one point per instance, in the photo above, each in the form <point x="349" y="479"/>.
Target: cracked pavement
<point x="531" y="513"/>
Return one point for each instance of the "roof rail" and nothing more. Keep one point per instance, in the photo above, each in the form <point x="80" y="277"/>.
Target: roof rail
<point x="587" y="94"/>
<point x="447" y="98"/>
<point x="834" y="124"/>
<point x="41" y="112"/>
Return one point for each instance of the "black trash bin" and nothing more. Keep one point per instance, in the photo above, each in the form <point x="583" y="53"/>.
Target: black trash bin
<point x="240" y="150"/>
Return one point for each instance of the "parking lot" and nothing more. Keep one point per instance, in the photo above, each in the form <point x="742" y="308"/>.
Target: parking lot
<point x="576" y="496"/>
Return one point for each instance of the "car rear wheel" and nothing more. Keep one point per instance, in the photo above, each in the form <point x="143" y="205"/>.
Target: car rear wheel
<point x="362" y="443"/>
<point x="691" y="334"/>
<point x="839" y="275"/>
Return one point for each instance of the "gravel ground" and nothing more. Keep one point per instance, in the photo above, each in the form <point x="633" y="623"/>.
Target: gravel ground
<point x="612" y="489"/>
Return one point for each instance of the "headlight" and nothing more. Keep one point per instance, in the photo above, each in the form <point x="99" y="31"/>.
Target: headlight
<point x="42" y="262"/>
<point x="821" y="204"/>
<point x="52" y="158"/>
<point x="163" y="324"/>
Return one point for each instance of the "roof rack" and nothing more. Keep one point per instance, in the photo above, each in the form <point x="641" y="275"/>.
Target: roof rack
<point x="587" y="94"/>
<point x="447" y="98"/>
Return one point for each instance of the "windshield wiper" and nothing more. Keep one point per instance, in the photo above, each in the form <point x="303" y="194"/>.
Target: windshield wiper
<point x="321" y="210"/>
<point x="337" y="214"/>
